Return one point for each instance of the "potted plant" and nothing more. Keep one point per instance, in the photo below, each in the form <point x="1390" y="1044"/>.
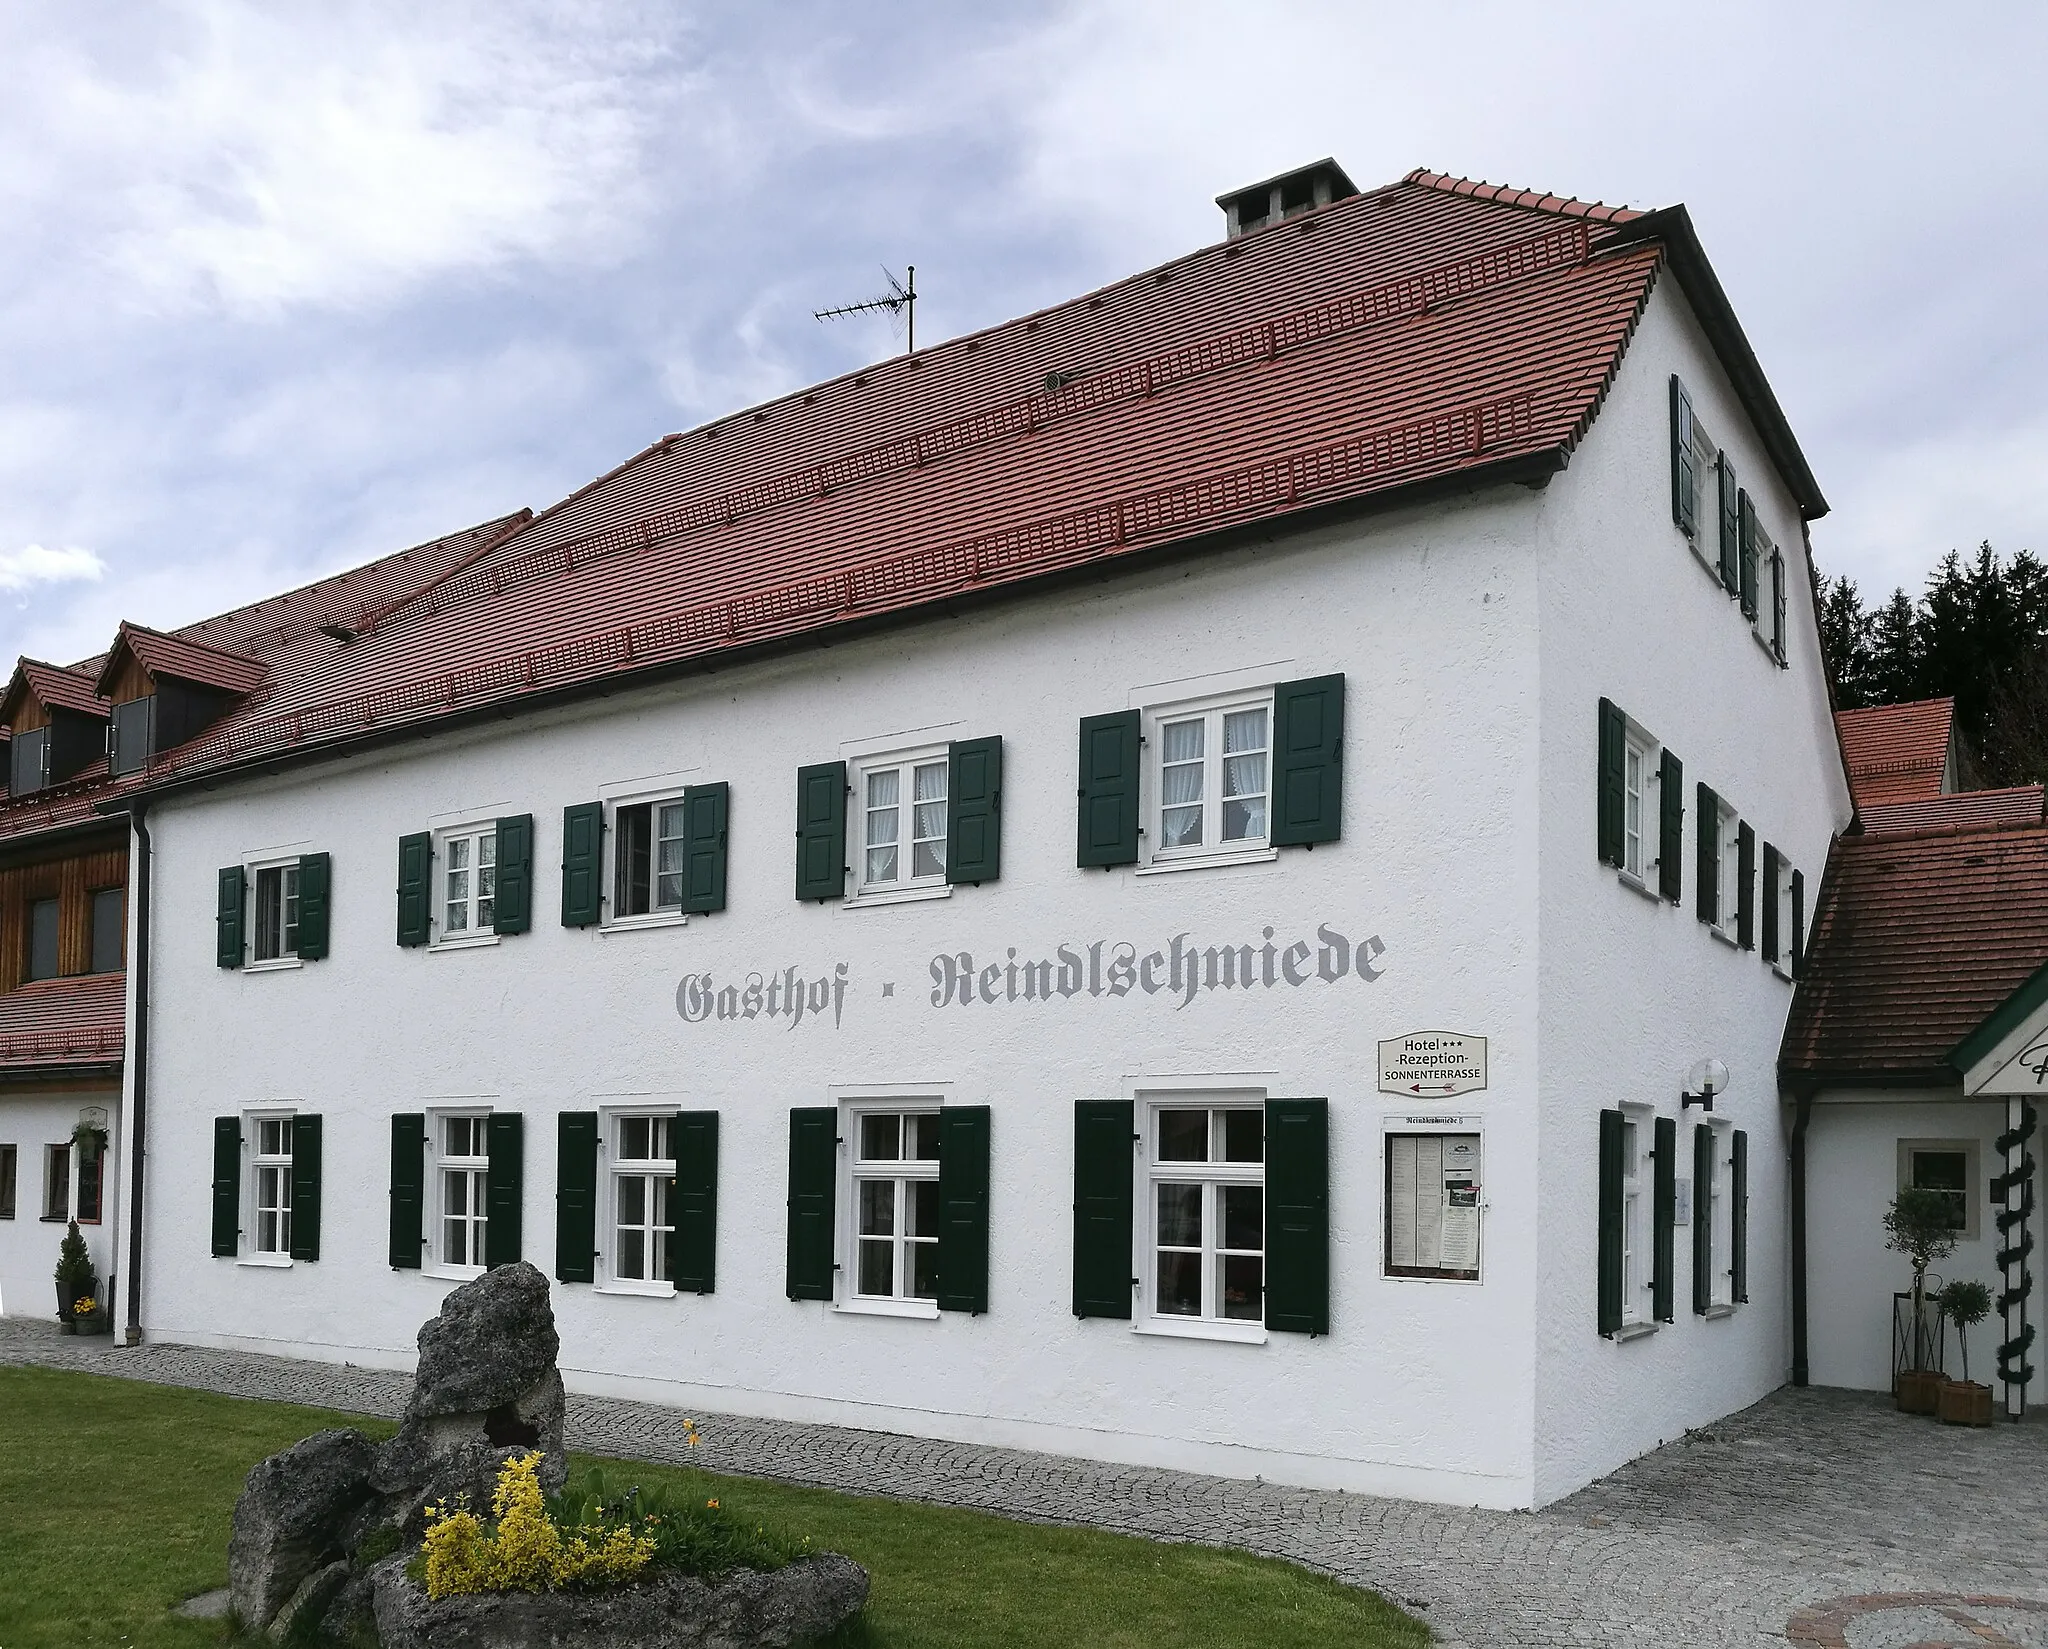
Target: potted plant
<point x="75" y="1277"/>
<point x="1920" y="1225"/>
<point x="1964" y="1402"/>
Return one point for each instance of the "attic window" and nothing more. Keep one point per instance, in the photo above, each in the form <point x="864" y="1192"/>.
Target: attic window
<point x="131" y="736"/>
<point x="29" y="762"/>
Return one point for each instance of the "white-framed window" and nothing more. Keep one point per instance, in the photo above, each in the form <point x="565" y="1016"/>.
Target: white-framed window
<point x="1949" y="1167"/>
<point x="1432" y="1205"/>
<point x="8" y="1153"/>
<point x="466" y="869"/>
<point x="1728" y="880"/>
<point x="1771" y="621"/>
<point x="56" y="1182"/>
<point x="1720" y="1214"/>
<point x="1636" y="1262"/>
<point x="1642" y="782"/>
<point x="1780" y="893"/>
<point x="643" y="1167"/>
<point x="901" y="802"/>
<point x="647" y="858"/>
<point x="274" y="926"/>
<point x="1208" y="778"/>
<point x="895" y="1175"/>
<point x="270" y="1174"/>
<point x="1203" y="1211"/>
<point x="462" y="1172"/>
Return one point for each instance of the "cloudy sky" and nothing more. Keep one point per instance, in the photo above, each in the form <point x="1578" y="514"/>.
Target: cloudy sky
<point x="287" y="285"/>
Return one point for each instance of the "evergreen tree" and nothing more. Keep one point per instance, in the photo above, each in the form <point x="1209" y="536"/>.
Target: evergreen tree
<point x="1845" y="638"/>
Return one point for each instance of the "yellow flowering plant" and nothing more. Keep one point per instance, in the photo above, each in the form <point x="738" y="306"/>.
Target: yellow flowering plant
<point x="84" y="1306"/>
<point x="525" y="1550"/>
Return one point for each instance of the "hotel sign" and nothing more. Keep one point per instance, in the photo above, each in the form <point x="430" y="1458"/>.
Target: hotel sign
<point x="1436" y="1063"/>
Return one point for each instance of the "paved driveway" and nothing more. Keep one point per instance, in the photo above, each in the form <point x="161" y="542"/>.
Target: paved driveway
<point x="1818" y="1518"/>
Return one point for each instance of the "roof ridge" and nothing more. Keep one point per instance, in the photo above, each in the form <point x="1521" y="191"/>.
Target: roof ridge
<point x="1967" y="827"/>
<point x="1508" y="195"/>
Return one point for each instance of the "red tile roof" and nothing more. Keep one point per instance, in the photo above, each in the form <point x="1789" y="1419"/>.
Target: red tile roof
<point x="1917" y="937"/>
<point x="2021" y="804"/>
<point x="63" y="1023"/>
<point x="1533" y="198"/>
<point x="1427" y="329"/>
<point x="55" y="688"/>
<point x="1897" y="752"/>
<point x="181" y="658"/>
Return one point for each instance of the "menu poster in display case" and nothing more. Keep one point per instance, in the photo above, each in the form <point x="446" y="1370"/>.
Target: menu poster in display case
<point x="1433" y="1206"/>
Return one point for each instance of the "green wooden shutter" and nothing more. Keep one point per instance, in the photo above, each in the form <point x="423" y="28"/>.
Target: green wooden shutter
<point x="1770" y="898"/>
<point x="1613" y="1216"/>
<point x="974" y="811"/>
<point x="1702" y="1218"/>
<point x="693" y="1204"/>
<point x="1298" y="1216"/>
<point x="1611" y="798"/>
<point x="415" y="888"/>
<point x="813" y="1179"/>
<point x="582" y="864"/>
<point x="1664" y="1220"/>
<point x="1670" y="826"/>
<point x="1745" y="895"/>
<point x="227" y="920"/>
<point x="1798" y="923"/>
<point x="505" y="1188"/>
<point x="705" y="810"/>
<point x="1738" y="1217"/>
<point x="316" y="896"/>
<point x="305" y="1185"/>
<point x="1103" y="1137"/>
<point x="1778" y="607"/>
<point x="408" y="1189"/>
<point x="576" y="1197"/>
<point x="963" y="1208"/>
<point x="1108" y="828"/>
<point x="821" y="831"/>
<point x="1707" y="868"/>
<point x="1308" y="761"/>
<point x="227" y="1186"/>
<point x="512" y="904"/>
<point x="1684" y="483"/>
<point x="1731" y="528"/>
<point x="1750" y="551"/>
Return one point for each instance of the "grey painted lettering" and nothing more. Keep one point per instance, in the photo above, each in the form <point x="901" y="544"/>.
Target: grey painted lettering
<point x="1294" y="963"/>
<point x="1334" y="961"/>
<point x="774" y="985"/>
<point x="728" y="1003"/>
<point x="750" y="1004"/>
<point x="991" y="977"/>
<point x="821" y="995"/>
<point x="1095" y="968"/>
<point x="1266" y="955"/>
<point x="1368" y="951"/>
<point x="838" y="993"/>
<point x="1123" y="969"/>
<point x="1038" y="981"/>
<point x="1010" y="976"/>
<point x="1148" y="972"/>
<point x="1183" y="974"/>
<point x="1070" y="972"/>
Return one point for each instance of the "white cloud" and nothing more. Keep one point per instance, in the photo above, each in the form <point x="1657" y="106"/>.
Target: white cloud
<point x="31" y="565"/>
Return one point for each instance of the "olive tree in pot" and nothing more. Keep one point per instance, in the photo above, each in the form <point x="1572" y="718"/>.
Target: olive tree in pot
<point x="1920" y="1224"/>
<point x="1964" y="1402"/>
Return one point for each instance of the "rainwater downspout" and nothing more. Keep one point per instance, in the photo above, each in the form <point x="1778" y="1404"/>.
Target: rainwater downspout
<point x="1802" y="1114"/>
<point x="138" y="1065"/>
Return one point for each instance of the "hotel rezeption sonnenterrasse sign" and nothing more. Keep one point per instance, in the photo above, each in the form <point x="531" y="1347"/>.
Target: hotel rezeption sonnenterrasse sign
<point x="1437" y="1063"/>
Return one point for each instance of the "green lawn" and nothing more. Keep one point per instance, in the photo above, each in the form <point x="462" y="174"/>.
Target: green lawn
<point x="114" y="1503"/>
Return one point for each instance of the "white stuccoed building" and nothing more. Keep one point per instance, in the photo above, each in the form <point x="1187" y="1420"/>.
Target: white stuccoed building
<point x="896" y="898"/>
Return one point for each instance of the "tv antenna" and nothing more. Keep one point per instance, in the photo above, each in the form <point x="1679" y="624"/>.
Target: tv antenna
<point x="900" y="299"/>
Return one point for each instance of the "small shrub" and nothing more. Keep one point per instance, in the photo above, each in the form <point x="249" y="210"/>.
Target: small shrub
<point x="526" y="1551"/>
<point x="699" y="1538"/>
<point x="74" y="1261"/>
<point x="1964" y="1303"/>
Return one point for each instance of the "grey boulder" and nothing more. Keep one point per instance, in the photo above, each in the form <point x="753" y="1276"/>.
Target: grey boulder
<point x="289" y="1518"/>
<point x="668" y="1610"/>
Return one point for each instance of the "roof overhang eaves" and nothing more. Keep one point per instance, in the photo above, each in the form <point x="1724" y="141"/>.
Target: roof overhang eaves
<point x="61" y="1070"/>
<point x="1672" y="225"/>
<point x="1529" y="469"/>
<point x="1812" y="1078"/>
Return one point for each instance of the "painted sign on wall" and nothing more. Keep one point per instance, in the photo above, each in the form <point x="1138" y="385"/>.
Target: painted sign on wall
<point x="1433" y="1062"/>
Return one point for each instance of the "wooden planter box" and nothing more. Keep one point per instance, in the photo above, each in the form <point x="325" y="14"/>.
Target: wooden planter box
<point x="1964" y="1403"/>
<point x="1919" y="1390"/>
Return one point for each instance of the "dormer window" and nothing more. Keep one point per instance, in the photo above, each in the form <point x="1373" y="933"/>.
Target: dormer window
<point x="131" y="736"/>
<point x="29" y="763"/>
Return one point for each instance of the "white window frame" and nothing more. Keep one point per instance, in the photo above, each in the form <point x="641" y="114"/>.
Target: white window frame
<point x="653" y="793"/>
<point x="904" y="762"/>
<point x="914" y="1100"/>
<point x="1728" y="878"/>
<point x="1214" y="1176"/>
<point x="1782" y="895"/>
<point x="475" y="1168"/>
<point x="1212" y="709"/>
<point x="1642" y="750"/>
<point x="1719" y="1192"/>
<point x="1638" y="1218"/>
<point x="286" y="868"/>
<point x="52" y="1155"/>
<point x="1705" y="538"/>
<point x="473" y="832"/>
<point x="619" y="1167"/>
<point x="1973" y="1184"/>
<point x="262" y="1167"/>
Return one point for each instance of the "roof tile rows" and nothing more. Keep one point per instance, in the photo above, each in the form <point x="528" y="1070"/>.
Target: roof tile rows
<point x="64" y="1022"/>
<point x="182" y="658"/>
<point x="1918" y="936"/>
<point x="2020" y="804"/>
<point x="1897" y="752"/>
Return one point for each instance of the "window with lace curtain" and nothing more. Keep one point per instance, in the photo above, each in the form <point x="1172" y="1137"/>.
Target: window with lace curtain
<point x="901" y="830"/>
<point x="1211" y="773"/>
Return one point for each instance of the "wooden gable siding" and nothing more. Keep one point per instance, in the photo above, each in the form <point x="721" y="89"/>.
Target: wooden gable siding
<point x="71" y="882"/>
<point x="30" y="716"/>
<point x="131" y="681"/>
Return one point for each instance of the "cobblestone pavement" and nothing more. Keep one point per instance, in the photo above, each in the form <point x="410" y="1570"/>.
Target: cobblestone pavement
<point x="1818" y="1518"/>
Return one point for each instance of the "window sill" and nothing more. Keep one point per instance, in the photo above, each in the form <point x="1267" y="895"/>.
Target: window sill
<point x="452" y="1273"/>
<point x="1202" y="1328"/>
<point x="632" y="1286"/>
<point x="1635" y="884"/>
<point x="1633" y="1331"/>
<point x="1714" y="1313"/>
<point x="1207" y="861"/>
<point x="899" y="895"/>
<point x="640" y="924"/>
<point x="468" y="941"/>
<point x="1724" y="936"/>
<point x="274" y="964"/>
<point x="268" y="1262"/>
<point x="861" y="1306"/>
<point x="1782" y="972"/>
